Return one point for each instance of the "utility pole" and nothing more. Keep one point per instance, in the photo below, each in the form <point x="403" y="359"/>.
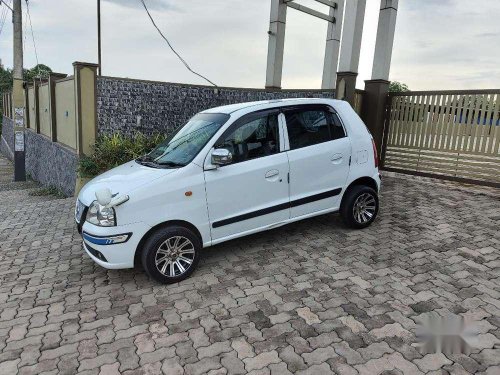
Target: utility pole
<point x="18" y="94"/>
<point x="99" y="36"/>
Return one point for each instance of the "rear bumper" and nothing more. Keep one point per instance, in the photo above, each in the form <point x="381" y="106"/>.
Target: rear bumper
<point x="378" y="179"/>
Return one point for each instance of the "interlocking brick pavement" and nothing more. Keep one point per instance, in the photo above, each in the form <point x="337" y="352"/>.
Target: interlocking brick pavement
<point x="309" y="298"/>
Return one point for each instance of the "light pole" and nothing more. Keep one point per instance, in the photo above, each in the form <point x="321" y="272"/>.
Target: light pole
<point x="18" y="93"/>
<point x="99" y="36"/>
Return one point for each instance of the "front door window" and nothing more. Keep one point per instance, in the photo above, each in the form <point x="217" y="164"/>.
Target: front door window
<point x="253" y="138"/>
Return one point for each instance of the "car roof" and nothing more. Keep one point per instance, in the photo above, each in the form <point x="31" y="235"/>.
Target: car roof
<point x="263" y="104"/>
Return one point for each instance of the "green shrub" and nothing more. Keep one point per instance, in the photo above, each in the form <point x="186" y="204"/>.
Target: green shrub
<point x="47" y="191"/>
<point x="111" y="151"/>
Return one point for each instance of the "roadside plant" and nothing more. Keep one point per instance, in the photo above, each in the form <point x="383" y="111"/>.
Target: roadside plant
<point x="110" y="151"/>
<point x="48" y="191"/>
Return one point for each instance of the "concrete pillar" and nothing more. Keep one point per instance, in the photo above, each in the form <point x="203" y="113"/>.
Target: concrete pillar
<point x="354" y="16"/>
<point x="276" y="44"/>
<point x="9" y="104"/>
<point x="332" y="47"/>
<point x="346" y="86"/>
<point x="374" y="108"/>
<point x="385" y="39"/>
<point x="27" y="120"/>
<point x="376" y="89"/>
<point x="53" y="77"/>
<point x="36" y="105"/>
<point x="86" y="106"/>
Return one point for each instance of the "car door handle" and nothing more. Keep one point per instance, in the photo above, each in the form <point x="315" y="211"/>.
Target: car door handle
<point x="272" y="175"/>
<point x="337" y="158"/>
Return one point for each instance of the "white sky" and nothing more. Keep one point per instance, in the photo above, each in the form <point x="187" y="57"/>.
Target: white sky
<point x="439" y="44"/>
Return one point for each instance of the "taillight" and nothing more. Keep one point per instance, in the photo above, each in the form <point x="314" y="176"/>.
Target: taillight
<point x="375" y="156"/>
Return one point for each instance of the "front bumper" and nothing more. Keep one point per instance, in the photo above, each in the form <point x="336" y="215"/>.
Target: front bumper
<point x="98" y="245"/>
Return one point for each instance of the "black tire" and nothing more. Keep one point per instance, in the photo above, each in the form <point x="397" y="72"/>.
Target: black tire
<point x="347" y="209"/>
<point x="150" y="254"/>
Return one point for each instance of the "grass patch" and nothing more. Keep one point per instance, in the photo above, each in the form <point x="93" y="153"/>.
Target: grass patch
<point x="48" y="191"/>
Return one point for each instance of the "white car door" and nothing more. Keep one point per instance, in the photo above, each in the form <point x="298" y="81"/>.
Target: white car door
<point x="252" y="191"/>
<point x="319" y="158"/>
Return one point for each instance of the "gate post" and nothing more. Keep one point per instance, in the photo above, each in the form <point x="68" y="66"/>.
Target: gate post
<point x="53" y="77"/>
<point x="373" y="109"/>
<point x="36" y="105"/>
<point x="86" y="106"/>
<point x="346" y="86"/>
<point x="85" y="76"/>
<point x="386" y="129"/>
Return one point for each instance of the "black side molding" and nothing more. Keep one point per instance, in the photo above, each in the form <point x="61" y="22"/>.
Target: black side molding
<point x="279" y="207"/>
<point x="316" y="197"/>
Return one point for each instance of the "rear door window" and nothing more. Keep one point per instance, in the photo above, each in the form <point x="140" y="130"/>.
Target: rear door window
<point x="336" y="126"/>
<point x="308" y="126"/>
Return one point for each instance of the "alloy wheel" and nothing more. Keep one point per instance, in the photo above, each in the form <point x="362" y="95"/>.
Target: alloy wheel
<point x="175" y="256"/>
<point x="364" y="208"/>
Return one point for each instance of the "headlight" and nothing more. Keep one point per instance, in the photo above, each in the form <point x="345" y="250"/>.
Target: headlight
<point x="101" y="215"/>
<point x="79" y="208"/>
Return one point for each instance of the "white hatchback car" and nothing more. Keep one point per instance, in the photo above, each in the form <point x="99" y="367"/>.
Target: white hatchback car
<point x="229" y="172"/>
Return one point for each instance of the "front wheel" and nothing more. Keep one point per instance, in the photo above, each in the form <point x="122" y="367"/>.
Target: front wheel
<point x="171" y="254"/>
<point x="359" y="207"/>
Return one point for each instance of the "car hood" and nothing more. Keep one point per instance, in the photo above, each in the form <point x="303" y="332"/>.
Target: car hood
<point x="122" y="180"/>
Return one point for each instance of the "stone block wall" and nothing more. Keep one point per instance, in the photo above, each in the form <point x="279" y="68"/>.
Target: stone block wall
<point x="51" y="163"/>
<point x="128" y="106"/>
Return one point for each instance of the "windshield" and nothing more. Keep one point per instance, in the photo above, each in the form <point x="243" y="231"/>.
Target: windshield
<point x="182" y="146"/>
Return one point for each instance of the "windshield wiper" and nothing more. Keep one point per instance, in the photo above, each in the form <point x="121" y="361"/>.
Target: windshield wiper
<point x="151" y="164"/>
<point x="148" y="161"/>
<point x="146" y="158"/>
<point x="171" y="164"/>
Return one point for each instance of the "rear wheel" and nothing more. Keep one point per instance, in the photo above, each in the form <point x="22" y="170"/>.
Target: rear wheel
<point x="359" y="206"/>
<point x="171" y="254"/>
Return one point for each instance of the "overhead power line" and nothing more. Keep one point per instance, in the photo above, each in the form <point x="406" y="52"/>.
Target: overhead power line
<point x="2" y="20"/>
<point x="7" y="5"/>
<point x="172" y="48"/>
<point x="25" y="34"/>
<point x="3" y="16"/>
<point x="32" y="33"/>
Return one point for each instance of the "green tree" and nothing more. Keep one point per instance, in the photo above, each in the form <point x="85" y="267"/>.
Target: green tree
<point x="5" y="85"/>
<point x="396" y="86"/>
<point x="38" y="71"/>
<point x="5" y="79"/>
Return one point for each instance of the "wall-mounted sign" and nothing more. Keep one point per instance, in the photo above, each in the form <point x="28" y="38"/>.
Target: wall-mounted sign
<point x="19" y="116"/>
<point x="19" y="141"/>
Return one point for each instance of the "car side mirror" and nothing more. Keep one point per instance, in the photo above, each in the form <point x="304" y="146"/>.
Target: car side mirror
<point x="221" y="156"/>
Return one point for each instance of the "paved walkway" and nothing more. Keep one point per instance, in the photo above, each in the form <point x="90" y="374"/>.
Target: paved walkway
<point x="311" y="297"/>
